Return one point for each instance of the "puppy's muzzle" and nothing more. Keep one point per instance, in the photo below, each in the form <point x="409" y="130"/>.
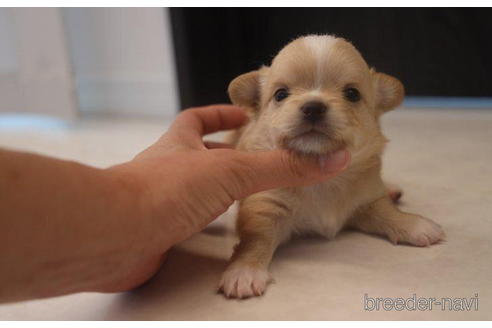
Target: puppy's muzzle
<point x="313" y="111"/>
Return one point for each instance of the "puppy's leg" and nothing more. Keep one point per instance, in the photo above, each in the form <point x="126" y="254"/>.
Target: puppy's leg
<point x="262" y="226"/>
<point x="384" y="218"/>
<point x="394" y="192"/>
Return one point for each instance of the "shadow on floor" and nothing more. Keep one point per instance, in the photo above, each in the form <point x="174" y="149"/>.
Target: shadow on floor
<point x="185" y="272"/>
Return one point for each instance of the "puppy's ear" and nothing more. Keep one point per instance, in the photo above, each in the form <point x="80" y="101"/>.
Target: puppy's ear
<point x="244" y="90"/>
<point x="389" y="91"/>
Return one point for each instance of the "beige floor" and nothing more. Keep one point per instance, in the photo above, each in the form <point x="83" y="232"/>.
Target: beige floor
<point x="443" y="160"/>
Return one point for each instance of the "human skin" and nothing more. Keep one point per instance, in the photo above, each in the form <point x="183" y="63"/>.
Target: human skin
<point x="66" y="227"/>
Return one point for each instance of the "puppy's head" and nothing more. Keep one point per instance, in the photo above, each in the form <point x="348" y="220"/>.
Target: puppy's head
<point x="318" y="96"/>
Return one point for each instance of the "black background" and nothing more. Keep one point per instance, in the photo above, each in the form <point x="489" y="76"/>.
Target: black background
<point x="433" y="51"/>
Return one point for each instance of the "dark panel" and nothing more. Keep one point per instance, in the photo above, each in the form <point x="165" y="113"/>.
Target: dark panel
<point x="434" y="51"/>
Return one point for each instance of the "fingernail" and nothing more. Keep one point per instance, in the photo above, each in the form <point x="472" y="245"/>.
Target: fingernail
<point x="334" y="161"/>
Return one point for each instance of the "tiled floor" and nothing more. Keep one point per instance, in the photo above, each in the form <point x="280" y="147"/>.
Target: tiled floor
<point x="442" y="159"/>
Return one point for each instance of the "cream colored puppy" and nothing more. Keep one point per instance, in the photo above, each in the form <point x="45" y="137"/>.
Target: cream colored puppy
<point x="317" y="97"/>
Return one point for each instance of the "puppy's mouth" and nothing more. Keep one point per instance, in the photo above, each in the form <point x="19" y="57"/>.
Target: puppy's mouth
<point x="316" y="131"/>
<point x="312" y="140"/>
<point x="313" y="134"/>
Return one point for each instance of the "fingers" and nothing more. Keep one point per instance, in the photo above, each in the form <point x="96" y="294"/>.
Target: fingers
<point x="259" y="171"/>
<point x="193" y="123"/>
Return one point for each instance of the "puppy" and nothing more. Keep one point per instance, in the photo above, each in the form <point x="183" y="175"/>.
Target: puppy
<point x="318" y="96"/>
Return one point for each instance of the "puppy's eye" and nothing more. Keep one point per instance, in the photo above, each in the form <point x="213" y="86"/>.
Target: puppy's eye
<point x="352" y="94"/>
<point x="281" y="94"/>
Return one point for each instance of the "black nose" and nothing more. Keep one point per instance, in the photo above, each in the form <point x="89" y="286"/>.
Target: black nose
<point x="313" y="111"/>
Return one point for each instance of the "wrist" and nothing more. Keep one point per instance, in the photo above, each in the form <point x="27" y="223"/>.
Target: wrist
<point x="128" y="207"/>
<point x="147" y="204"/>
<point x="140" y="247"/>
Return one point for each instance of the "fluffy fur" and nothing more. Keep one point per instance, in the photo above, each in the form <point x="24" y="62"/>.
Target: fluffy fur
<point x="316" y="68"/>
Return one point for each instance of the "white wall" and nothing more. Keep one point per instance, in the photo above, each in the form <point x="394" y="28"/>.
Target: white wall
<point x="8" y="63"/>
<point x="35" y="75"/>
<point x="9" y="90"/>
<point x="123" y="60"/>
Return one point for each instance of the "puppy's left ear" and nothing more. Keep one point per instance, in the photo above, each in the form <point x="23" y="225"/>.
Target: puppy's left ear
<point x="389" y="91"/>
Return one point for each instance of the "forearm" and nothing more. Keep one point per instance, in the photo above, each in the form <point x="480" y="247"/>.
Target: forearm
<point x="60" y="226"/>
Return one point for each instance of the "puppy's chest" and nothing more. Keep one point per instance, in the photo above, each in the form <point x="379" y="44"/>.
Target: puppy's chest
<point x="323" y="209"/>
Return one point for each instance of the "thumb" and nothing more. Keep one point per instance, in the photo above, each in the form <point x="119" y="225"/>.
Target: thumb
<point x="257" y="171"/>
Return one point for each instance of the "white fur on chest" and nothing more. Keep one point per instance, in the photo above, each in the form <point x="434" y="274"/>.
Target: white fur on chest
<point x="323" y="209"/>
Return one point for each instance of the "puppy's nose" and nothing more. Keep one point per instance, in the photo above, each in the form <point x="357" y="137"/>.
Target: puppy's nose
<point x="313" y="111"/>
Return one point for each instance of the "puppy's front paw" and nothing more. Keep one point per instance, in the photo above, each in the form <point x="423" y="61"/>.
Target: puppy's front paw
<point x="417" y="230"/>
<point x="244" y="281"/>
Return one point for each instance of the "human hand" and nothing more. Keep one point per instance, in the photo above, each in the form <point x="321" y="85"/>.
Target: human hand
<point x="181" y="183"/>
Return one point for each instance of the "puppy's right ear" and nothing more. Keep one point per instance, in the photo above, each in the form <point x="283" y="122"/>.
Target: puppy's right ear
<point x="244" y="90"/>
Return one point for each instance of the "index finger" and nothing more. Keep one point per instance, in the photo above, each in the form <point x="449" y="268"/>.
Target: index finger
<point x="196" y="122"/>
